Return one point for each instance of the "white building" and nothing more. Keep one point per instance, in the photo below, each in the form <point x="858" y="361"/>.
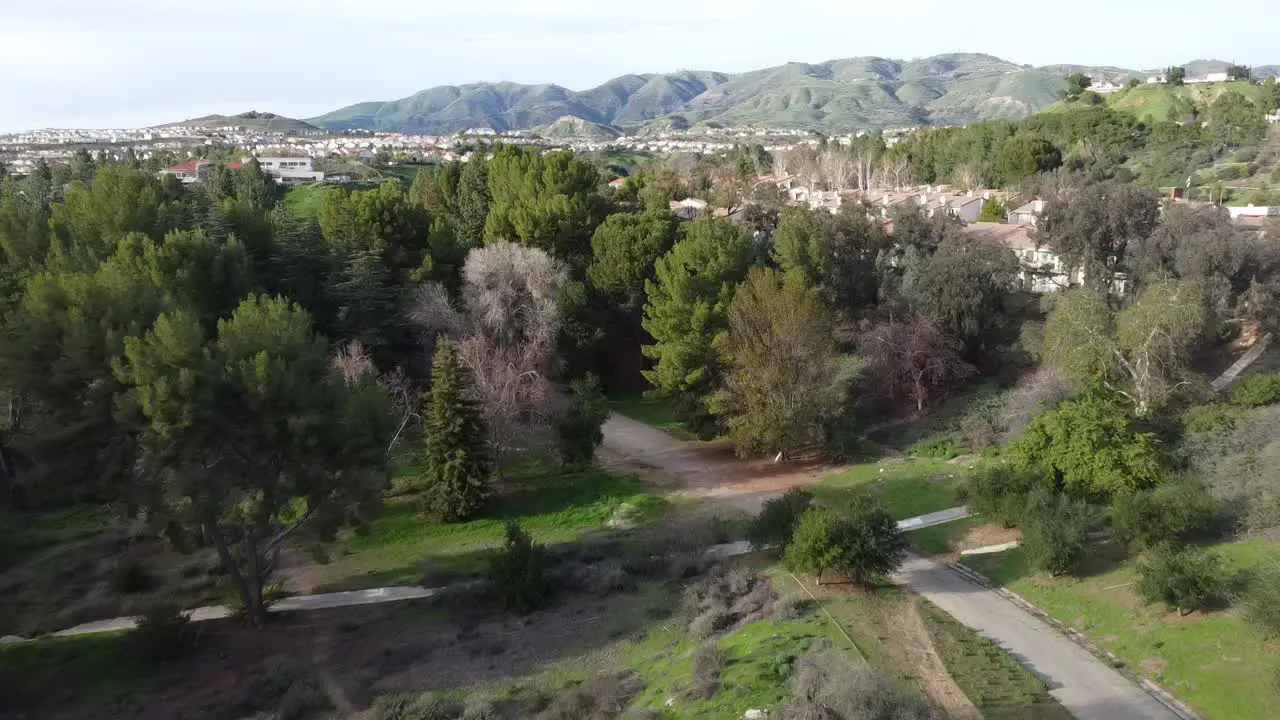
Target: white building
<point x="1250" y="211"/>
<point x="1042" y="269"/>
<point x="291" y="170"/>
<point x="1028" y="214"/>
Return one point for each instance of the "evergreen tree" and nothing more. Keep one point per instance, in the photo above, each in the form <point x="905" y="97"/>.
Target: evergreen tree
<point x="456" y="461"/>
<point x="473" y="202"/>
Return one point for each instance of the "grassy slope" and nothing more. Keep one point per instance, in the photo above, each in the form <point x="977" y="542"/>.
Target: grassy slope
<point x="651" y="411"/>
<point x="553" y="506"/>
<point x="306" y="200"/>
<point x="1217" y="662"/>
<point x="1151" y="103"/>
<point x="908" y="486"/>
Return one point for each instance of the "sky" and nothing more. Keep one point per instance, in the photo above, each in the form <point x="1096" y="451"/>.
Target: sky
<point x="133" y="63"/>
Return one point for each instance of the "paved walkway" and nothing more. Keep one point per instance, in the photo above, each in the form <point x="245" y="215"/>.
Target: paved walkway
<point x="1083" y="684"/>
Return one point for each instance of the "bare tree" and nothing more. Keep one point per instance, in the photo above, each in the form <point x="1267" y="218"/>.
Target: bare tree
<point x="913" y="360"/>
<point x="896" y="169"/>
<point x="837" y="167"/>
<point x="506" y="333"/>
<point x="968" y="176"/>
<point x="353" y="364"/>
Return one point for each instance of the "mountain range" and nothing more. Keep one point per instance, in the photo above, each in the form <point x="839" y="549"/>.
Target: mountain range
<point x="863" y="93"/>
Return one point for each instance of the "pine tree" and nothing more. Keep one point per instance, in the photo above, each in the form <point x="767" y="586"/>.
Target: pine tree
<point x="456" y="462"/>
<point x="473" y="202"/>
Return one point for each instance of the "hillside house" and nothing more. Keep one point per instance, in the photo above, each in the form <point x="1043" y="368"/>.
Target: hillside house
<point x="1239" y="214"/>
<point x="291" y="170"/>
<point x="1028" y="214"/>
<point x="1042" y="270"/>
<point x="194" y="171"/>
<point x="689" y="208"/>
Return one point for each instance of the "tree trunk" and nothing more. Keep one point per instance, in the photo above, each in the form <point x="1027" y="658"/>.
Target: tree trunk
<point x="248" y="584"/>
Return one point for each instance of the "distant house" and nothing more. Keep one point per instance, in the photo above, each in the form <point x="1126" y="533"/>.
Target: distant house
<point x="1239" y="214"/>
<point x="1209" y="78"/>
<point x="191" y="171"/>
<point x="1028" y="214"/>
<point x="1274" y="118"/>
<point x="194" y="171"/>
<point x="617" y="183"/>
<point x="966" y="208"/>
<point x="1042" y="270"/>
<point x="689" y="208"/>
<point x="291" y="170"/>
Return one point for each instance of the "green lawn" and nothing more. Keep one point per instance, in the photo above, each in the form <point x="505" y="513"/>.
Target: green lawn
<point x="101" y="668"/>
<point x="306" y="200"/>
<point x="908" y="486"/>
<point x="936" y="540"/>
<point x="1216" y="662"/>
<point x="554" y="506"/>
<point x="651" y="411"/>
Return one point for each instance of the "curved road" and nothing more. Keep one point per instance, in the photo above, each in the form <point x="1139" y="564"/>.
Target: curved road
<point x="1088" y="688"/>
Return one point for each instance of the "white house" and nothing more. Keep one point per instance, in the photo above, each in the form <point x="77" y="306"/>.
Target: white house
<point x="1209" y="78"/>
<point x="1274" y="118"/>
<point x="1042" y="270"/>
<point x="291" y="170"/>
<point x="1028" y="214"/>
<point x="1250" y="211"/>
<point x="689" y="208"/>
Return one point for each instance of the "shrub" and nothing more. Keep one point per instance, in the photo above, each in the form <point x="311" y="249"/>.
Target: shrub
<point x="1055" y="531"/>
<point x="1091" y="446"/>
<point x="301" y="699"/>
<point x="725" y="599"/>
<point x="1262" y="602"/>
<point x="130" y="577"/>
<point x="777" y="520"/>
<point x="1173" y="512"/>
<point x="164" y="634"/>
<point x="578" y="432"/>
<point x="1000" y="492"/>
<point x="604" y="696"/>
<point x="426" y="706"/>
<point x="1257" y="390"/>
<point x="826" y="685"/>
<point x="1184" y="579"/>
<point x="518" y="571"/>
<point x="863" y="544"/>
<point x="1210" y="417"/>
<point x="705" y="680"/>
<point x="1033" y="394"/>
<point x="938" y="447"/>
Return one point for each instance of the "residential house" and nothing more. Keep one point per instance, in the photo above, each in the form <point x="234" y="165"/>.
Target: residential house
<point x="1274" y="117"/>
<point x="291" y="170"/>
<point x="1239" y="214"/>
<point x="1028" y="214"/>
<point x="966" y="207"/>
<point x="1042" y="270"/>
<point x="1208" y="78"/>
<point x="194" y="171"/>
<point x="689" y="208"/>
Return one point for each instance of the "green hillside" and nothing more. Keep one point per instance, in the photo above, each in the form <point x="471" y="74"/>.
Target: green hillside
<point x="1159" y="102"/>
<point x="838" y="95"/>
<point x="252" y="120"/>
<point x="569" y="127"/>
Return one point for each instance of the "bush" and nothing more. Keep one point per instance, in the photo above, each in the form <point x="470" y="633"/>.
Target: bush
<point x="725" y="599"/>
<point x="827" y="685"/>
<point x="777" y="520"/>
<point x="578" y="432"/>
<point x="163" y="635"/>
<point x="1090" y="444"/>
<point x="130" y="577"/>
<point x="938" y="447"/>
<point x="604" y="696"/>
<point x="1033" y="394"/>
<point x="519" y="571"/>
<point x="1173" y="512"/>
<point x="1210" y="417"/>
<point x="705" y="680"/>
<point x="863" y="544"/>
<point x="427" y="706"/>
<point x="1055" y="531"/>
<point x="1000" y="492"/>
<point x="1184" y="579"/>
<point x="1257" y="390"/>
<point x="1262" y="602"/>
<point x="301" y="699"/>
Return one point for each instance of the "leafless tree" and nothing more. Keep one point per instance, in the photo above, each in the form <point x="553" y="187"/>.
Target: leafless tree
<point x="837" y="168"/>
<point x="968" y="176"/>
<point x="896" y="169"/>
<point x="506" y="333"/>
<point x="353" y="364"/>
<point x="913" y="360"/>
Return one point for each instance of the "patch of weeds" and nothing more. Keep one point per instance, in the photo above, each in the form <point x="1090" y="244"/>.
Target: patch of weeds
<point x="725" y="599"/>
<point x="705" y="681"/>
<point x="603" y="696"/>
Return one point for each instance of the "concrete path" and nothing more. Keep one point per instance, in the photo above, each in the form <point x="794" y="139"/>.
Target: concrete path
<point x="1083" y="684"/>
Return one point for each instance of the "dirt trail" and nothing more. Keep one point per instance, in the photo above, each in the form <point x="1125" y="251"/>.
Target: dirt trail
<point x="701" y="470"/>
<point x="915" y="641"/>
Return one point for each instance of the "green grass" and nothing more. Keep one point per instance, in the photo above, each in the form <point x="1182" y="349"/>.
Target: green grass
<point x="652" y="411"/>
<point x="101" y="668"/>
<point x="551" y="505"/>
<point x="22" y="534"/>
<point x="1216" y="662"/>
<point x="1000" y="687"/>
<point x="306" y="200"/>
<point x="937" y="540"/>
<point x="908" y="486"/>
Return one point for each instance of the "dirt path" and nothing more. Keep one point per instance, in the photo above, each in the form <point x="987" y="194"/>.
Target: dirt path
<point x="700" y="470"/>
<point x="917" y="645"/>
